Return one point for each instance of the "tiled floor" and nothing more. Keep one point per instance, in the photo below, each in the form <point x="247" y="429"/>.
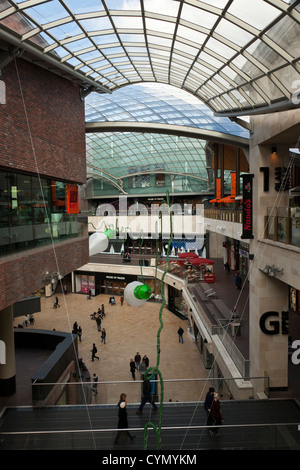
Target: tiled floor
<point x="129" y="330"/>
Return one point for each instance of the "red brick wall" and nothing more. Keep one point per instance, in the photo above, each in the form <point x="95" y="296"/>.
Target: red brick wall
<point x="57" y="128"/>
<point x="53" y="112"/>
<point x="22" y="275"/>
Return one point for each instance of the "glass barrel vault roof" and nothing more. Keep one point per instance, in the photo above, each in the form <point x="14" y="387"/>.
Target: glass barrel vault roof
<point x="157" y="103"/>
<point x="236" y="56"/>
<point x="114" y="156"/>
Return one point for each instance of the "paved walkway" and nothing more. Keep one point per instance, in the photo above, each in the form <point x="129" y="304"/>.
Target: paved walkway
<point x="129" y="330"/>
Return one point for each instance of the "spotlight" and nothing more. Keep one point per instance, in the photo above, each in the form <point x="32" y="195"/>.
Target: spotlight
<point x="266" y="269"/>
<point x="272" y="270"/>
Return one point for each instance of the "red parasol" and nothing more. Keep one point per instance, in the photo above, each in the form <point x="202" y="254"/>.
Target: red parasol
<point x="188" y="255"/>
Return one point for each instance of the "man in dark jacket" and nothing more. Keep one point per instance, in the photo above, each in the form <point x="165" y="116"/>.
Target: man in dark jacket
<point x="209" y="399"/>
<point x="146" y="397"/>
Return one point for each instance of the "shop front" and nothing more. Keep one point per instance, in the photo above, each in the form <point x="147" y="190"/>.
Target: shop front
<point x="101" y="283"/>
<point x="84" y="283"/>
<point x="243" y="259"/>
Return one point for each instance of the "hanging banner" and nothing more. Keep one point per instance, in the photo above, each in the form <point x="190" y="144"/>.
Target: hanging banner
<point x="218" y="188"/>
<point x="232" y="185"/>
<point x="247" y="206"/>
<point x="72" y="199"/>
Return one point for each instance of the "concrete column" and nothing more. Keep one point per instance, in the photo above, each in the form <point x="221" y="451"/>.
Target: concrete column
<point x="268" y="350"/>
<point x="237" y="171"/>
<point x="216" y="249"/>
<point x="268" y="347"/>
<point x="8" y="369"/>
<point x="216" y="166"/>
<point x="222" y="170"/>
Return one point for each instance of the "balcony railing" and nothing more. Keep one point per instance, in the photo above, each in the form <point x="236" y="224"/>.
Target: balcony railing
<point x="230" y="215"/>
<point x="166" y="391"/>
<point x="282" y="224"/>
<point x="70" y="416"/>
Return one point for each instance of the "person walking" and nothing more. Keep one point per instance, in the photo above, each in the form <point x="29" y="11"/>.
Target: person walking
<point x="180" y="334"/>
<point x="94" y="352"/>
<point x="208" y="402"/>
<point x="238" y="282"/>
<point x="216" y="416"/>
<point x="123" y="419"/>
<point x="122" y="300"/>
<point x="137" y="360"/>
<point x="103" y="336"/>
<point x="55" y="303"/>
<point x="79" y="333"/>
<point x="98" y="322"/>
<point x="145" y="363"/>
<point x="95" y="385"/>
<point x="132" y="368"/>
<point x="147" y="397"/>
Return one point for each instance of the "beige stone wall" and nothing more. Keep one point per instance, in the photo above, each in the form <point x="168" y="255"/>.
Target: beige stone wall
<point x="269" y="353"/>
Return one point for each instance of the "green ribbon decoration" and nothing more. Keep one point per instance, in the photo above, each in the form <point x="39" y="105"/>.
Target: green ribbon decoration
<point x="154" y="370"/>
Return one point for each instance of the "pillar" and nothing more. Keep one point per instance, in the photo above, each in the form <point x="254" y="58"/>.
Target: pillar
<point x="268" y="344"/>
<point x="7" y="352"/>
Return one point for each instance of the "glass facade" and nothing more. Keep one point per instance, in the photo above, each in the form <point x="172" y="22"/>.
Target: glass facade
<point x="33" y="212"/>
<point x="152" y="163"/>
<point x="146" y="163"/>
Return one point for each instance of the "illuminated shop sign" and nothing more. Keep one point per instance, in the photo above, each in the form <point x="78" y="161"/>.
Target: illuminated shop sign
<point x="247" y="210"/>
<point x="72" y="199"/>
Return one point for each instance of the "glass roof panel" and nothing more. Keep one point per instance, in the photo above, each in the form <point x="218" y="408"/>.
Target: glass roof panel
<point x="188" y="43"/>
<point x="96" y="24"/>
<point x="251" y="12"/>
<point x="78" y="6"/>
<point x="160" y="103"/>
<point x="47" y="12"/>
<point x="232" y="32"/>
<point x="286" y="34"/>
<point x="129" y="22"/>
<point x="198" y="16"/>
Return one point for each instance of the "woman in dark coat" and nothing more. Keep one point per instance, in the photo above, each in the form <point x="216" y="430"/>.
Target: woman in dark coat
<point x="123" y="420"/>
<point x="216" y="414"/>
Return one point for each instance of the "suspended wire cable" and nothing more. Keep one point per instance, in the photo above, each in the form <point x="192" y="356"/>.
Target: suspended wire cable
<point x="276" y="203"/>
<point x="50" y="231"/>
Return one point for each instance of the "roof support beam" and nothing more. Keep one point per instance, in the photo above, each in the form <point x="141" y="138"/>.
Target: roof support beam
<point x="92" y="127"/>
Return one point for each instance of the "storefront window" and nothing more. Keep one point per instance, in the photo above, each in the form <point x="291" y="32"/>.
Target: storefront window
<point x="33" y="212"/>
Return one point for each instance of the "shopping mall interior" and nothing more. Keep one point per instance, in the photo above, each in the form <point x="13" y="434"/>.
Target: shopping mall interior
<point x="149" y="182"/>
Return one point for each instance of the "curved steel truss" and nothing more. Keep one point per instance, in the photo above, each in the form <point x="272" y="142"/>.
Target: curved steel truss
<point x="237" y="57"/>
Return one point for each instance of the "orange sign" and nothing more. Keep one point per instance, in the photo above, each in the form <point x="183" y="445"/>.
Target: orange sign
<point x="72" y="199"/>
<point x="218" y="188"/>
<point x="233" y="188"/>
